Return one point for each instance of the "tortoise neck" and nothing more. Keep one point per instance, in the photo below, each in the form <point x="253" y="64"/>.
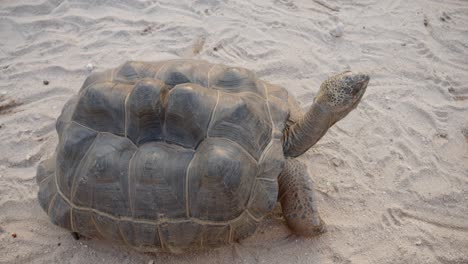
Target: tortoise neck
<point x="302" y="135"/>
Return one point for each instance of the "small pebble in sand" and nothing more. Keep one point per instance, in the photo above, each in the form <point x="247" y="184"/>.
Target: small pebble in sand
<point x="215" y="49"/>
<point x="338" y="31"/>
<point x="426" y="22"/>
<point x="89" y="67"/>
<point x="13" y="235"/>
<point x="151" y="262"/>
<point x="418" y="243"/>
<point x="45" y="82"/>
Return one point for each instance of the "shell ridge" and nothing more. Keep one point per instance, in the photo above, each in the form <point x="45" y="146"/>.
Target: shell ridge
<point x="52" y="201"/>
<point x="131" y="184"/>
<point x="81" y="125"/>
<point x="72" y="223"/>
<point x="240" y="146"/>
<point x="73" y="186"/>
<point x="123" y="236"/>
<point x="125" y="110"/>
<point x="251" y="216"/>
<point x="269" y="113"/>
<point x="265" y="179"/>
<point x="187" y="200"/>
<point x="213" y="115"/>
<point x="209" y="74"/>
<point x="97" y="227"/>
<point x="158" y="231"/>
<point x="231" y="232"/>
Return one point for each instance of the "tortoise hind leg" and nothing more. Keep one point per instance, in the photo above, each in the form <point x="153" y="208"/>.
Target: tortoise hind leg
<point x="298" y="201"/>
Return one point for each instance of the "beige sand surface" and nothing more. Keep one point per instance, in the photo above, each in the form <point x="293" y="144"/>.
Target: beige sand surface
<point x="392" y="178"/>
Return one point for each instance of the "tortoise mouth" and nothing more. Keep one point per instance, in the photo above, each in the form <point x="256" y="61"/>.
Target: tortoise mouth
<point x="359" y="88"/>
<point x="364" y="83"/>
<point x="361" y="85"/>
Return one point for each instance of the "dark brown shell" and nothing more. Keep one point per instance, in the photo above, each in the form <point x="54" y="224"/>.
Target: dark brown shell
<point x="172" y="155"/>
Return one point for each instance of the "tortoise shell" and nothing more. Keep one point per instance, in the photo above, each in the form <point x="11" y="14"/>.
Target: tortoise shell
<point x="173" y="155"/>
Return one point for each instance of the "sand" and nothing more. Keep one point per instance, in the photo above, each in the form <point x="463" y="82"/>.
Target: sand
<point x="391" y="178"/>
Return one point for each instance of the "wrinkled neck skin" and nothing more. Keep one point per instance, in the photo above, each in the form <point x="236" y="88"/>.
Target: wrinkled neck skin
<point x="299" y="137"/>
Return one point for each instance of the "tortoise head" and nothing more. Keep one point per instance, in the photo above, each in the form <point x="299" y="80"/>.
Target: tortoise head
<point x="338" y="96"/>
<point x="341" y="93"/>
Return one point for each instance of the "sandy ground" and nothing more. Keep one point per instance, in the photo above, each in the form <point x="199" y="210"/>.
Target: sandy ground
<point x="392" y="178"/>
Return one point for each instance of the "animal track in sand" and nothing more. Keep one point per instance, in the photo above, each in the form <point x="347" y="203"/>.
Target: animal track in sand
<point x="25" y="162"/>
<point x="276" y="24"/>
<point x="460" y="97"/>
<point x="395" y="217"/>
<point x="422" y="49"/>
<point x="7" y="105"/>
<point x="391" y="5"/>
<point x="446" y="84"/>
<point x="458" y="93"/>
<point x="289" y="4"/>
<point x="464" y="132"/>
<point x="392" y="217"/>
<point x="439" y="220"/>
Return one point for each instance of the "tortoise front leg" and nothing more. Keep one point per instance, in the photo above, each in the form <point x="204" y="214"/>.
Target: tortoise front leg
<point x="298" y="201"/>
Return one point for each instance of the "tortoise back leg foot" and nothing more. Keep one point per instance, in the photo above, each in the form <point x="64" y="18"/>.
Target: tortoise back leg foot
<point x="298" y="200"/>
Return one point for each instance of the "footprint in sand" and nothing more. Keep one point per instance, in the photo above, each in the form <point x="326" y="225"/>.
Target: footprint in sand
<point x="464" y="132"/>
<point x="7" y="105"/>
<point x="392" y="217"/>
<point x="289" y="4"/>
<point x="422" y="49"/>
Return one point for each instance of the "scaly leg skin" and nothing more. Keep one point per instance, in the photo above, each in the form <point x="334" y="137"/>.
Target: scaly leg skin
<point x="298" y="201"/>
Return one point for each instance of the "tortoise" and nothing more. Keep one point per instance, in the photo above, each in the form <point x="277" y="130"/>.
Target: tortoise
<point x="183" y="155"/>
